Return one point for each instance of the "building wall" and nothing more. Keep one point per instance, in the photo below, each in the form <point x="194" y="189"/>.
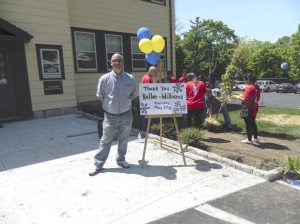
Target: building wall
<point x="125" y="16"/>
<point x="48" y="23"/>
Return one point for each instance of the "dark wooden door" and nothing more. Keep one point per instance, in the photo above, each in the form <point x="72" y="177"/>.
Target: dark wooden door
<point x="8" y="102"/>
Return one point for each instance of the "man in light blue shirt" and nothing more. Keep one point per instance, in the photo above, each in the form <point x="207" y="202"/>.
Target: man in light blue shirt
<point x="116" y="90"/>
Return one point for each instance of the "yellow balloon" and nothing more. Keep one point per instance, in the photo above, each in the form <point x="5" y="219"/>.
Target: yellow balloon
<point x="158" y="43"/>
<point x="145" y="45"/>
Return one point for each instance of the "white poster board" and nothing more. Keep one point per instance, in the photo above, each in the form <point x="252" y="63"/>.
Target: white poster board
<point x="162" y="98"/>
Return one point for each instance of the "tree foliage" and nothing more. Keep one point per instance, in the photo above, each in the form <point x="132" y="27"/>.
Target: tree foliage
<point x="236" y="68"/>
<point x="179" y="56"/>
<point x="210" y="48"/>
<point x="208" y="45"/>
<point x="265" y="61"/>
<point x="294" y="56"/>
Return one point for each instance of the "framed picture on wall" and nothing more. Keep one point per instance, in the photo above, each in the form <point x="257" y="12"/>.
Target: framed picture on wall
<point x="50" y="61"/>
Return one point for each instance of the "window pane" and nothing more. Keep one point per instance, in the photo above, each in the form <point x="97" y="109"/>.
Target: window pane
<point x="114" y="48"/>
<point x="135" y="46"/>
<point x="139" y="64"/>
<point x="138" y="58"/>
<point x="3" y="80"/>
<point x="86" y="60"/>
<point x="85" y="51"/>
<point x="85" y="41"/>
<point x="113" y="44"/>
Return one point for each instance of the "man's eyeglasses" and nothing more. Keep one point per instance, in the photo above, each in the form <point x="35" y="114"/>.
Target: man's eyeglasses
<point x="116" y="60"/>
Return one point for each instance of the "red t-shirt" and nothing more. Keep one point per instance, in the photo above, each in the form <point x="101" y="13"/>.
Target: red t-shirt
<point x="182" y="80"/>
<point x="252" y="95"/>
<point x="195" y="93"/>
<point x="171" y="79"/>
<point x="146" y="79"/>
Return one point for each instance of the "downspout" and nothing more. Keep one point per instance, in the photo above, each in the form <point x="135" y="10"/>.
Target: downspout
<point x="171" y="34"/>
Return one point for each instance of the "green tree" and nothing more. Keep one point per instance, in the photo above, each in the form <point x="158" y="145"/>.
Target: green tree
<point x="265" y="60"/>
<point x="294" y="56"/>
<point x="179" y="56"/>
<point x="237" y="67"/>
<point x="283" y="41"/>
<point x="208" y="45"/>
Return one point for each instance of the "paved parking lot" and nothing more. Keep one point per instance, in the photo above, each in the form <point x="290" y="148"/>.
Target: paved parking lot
<point x="282" y="100"/>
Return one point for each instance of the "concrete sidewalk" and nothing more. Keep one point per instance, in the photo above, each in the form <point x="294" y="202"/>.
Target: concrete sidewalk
<point x="44" y="167"/>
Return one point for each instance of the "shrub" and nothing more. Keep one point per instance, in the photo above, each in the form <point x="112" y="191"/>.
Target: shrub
<point x="192" y="136"/>
<point x="169" y="130"/>
<point x="291" y="165"/>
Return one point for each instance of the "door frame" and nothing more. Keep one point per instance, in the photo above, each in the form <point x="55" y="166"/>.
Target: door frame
<point x="14" y="39"/>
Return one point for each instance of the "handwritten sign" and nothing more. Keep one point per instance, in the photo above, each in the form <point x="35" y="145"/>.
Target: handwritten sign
<point x="162" y="98"/>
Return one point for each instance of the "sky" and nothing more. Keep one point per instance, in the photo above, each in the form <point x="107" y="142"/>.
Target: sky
<point x="263" y="20"/>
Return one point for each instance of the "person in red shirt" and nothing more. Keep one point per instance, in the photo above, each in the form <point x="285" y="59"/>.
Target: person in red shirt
<point x="250" y="101"/>
<point x="183" y="78"/>
<point x="148" y="77"/>
<point x="170" y="77"/>
<point x="195" y="94"/>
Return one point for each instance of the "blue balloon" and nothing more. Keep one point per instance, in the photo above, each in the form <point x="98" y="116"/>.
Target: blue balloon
<point x="153" y="58"/>
<point x="143" y="32"/>
<point x="284" y="65"/>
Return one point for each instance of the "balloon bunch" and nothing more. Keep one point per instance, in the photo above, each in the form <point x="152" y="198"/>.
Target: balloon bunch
<point x="284" y="66"/>
<point x="151" y="47"/>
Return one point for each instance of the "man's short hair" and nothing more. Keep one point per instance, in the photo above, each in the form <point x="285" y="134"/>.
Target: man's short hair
<point x="152" y="68"/>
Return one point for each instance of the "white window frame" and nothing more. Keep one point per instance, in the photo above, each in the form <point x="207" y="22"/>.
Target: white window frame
<point x="164" y="53"/>
<point x="95" y="52"/>
<point x="132" y="58"/>
<point x="108" y="59"/>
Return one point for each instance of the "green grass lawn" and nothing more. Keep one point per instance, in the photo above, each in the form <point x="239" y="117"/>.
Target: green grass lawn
<point x="268" y="128"/>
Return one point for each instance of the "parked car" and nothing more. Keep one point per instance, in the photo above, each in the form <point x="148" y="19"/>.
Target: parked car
<point x="285" y="88"/>
<point x="297" y="88"/>
<point x="267" y="85"/>
<point x="243" y="86"/>
<point x="236" y="85"/>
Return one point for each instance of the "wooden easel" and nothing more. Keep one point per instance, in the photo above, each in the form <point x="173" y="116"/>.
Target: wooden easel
<point x="142" y="162"/>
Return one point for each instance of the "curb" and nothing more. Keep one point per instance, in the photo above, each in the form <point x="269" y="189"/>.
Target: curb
<point x="270" y="175"/>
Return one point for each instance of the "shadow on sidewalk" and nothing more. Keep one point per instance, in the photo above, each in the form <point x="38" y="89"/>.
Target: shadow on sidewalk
<point x="167" y="172"/>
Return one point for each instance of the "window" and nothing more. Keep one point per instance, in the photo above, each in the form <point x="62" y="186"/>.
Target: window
<point x="138" y="62"/>
<point x="50" y="61"/>
<point x="85" y="46"/>
<point x="162" y="2"/>
<point x="113" y="45"/>
<point x="3" y="77"/>
<point x="163" y="57"/>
